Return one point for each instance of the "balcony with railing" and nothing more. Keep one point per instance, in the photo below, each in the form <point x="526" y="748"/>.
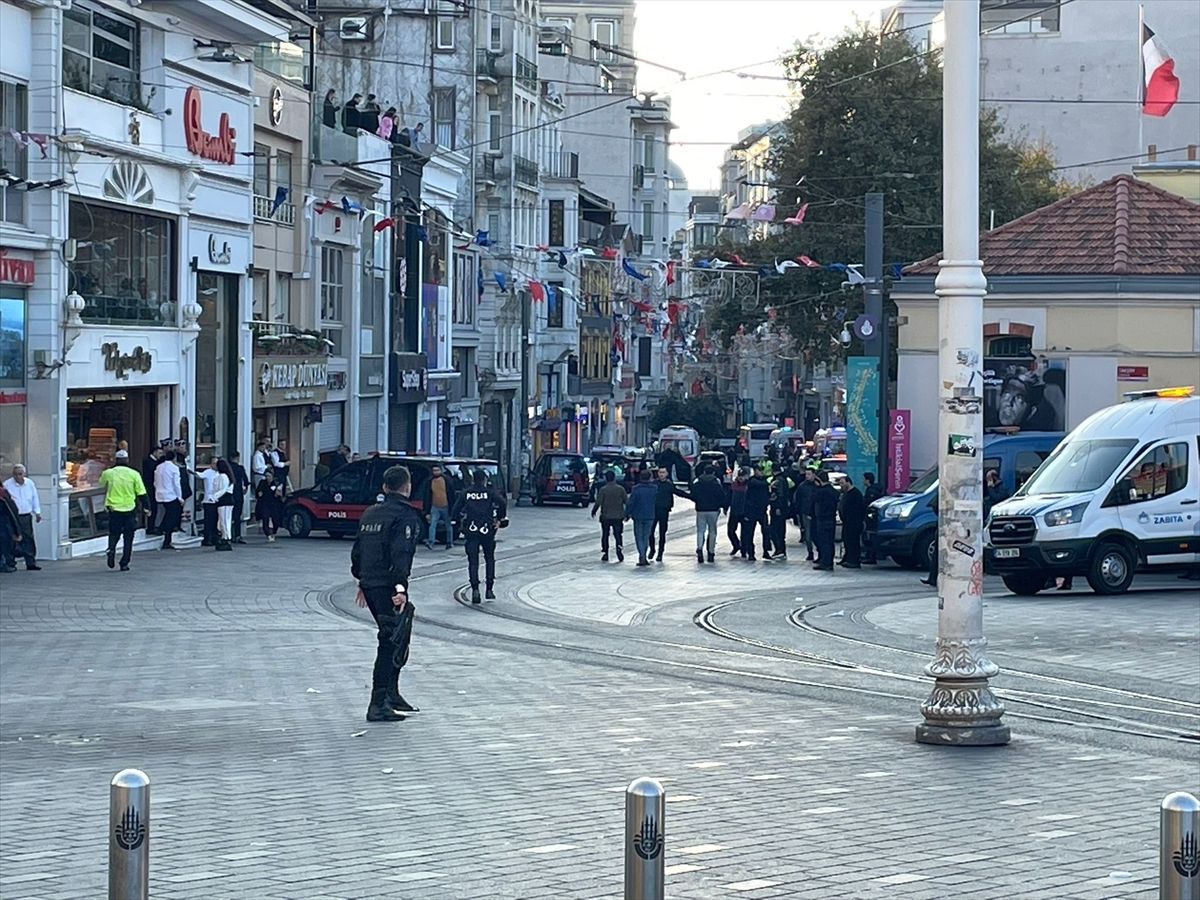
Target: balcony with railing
<point x="525" y="171"/>
<point x="526" y="74"/>
<point x="264" y="210"/>
<point x="283" y="339"/>
<point x="487" y="169"/>
<point x="563" y="164"/>
<point x="485" y="64"/>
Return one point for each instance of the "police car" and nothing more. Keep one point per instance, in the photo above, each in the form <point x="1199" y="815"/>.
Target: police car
<point x="1121" y="494"/>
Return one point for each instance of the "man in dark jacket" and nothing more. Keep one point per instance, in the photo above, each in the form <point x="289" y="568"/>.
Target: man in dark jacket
<point x="149" y="464"/>
<point x="640" y="508"/>
<point x="241" y="485"/>
<point x="994" y="491"/>
<point x="802" y="500"/>
<point x="381" y="562"/>
<point x="853" y="511"/>
<point x="10" y="532"/>
<point x="610" y="503"/>
<point x="871" y="493"/>
<point x="479" y="511"/>
<point x="758" y="499"/>
<point x="781" y="495"/>
<point x="735" y="505"/>
<point x="708" y="495"/>
<point x="663" y="504"/>
<point x="824" y="521"/>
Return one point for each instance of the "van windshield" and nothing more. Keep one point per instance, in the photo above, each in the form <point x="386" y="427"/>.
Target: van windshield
<point x="1077" y="466"/>
<point x="924" y="483"/>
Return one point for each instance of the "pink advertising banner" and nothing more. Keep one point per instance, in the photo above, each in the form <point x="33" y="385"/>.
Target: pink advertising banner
<point x="899" y="425"/>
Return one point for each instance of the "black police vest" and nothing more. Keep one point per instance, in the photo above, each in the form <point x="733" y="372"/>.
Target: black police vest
<point x="479" y="511"/>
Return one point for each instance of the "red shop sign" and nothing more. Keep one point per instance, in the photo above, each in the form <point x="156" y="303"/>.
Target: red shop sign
<point x="1133" y="373"/>
<point x="13" y="270"/>
<point x="218" y="147"/>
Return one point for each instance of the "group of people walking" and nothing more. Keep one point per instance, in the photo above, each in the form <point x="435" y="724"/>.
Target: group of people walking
<point x="759" y="503"/>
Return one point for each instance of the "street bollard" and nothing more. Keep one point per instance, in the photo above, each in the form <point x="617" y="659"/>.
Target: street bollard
<point x="645" y="835"/>
<point x="129" y="836"/>
<point x="1179" y="848"/>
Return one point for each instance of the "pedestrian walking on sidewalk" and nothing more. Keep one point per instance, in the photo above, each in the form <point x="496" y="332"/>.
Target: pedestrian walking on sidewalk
<point x="381" y="562"/>
<point x="29" y="508"/>
<point x="124" y="493"/>
<point x="437" y="497"/>
<point x="479" y="512"/>
<point x="709" y="498"/>
<point x="168" y="492"/>
<point x="268" y="504"/>
<point x="221" y="489"/>
<point x="824" y="521"/>
<point x="610" y="503"/>
<point x="663" y="504"/>
<point x="736" y="507"/>
<point x="640" y="508"/>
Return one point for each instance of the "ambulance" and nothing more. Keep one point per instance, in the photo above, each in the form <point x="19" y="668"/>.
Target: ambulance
<point x="1120" y="495"/>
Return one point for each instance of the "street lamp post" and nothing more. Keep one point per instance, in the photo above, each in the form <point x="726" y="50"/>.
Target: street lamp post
<point x="961" y="709"/>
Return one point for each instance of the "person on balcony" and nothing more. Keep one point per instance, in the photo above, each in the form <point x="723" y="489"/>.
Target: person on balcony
<point x="330" y="110"/>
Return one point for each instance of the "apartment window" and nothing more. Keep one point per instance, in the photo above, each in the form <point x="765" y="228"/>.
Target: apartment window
<point x="100" y="54"/>
<point x="332" y="289"/>
<point x="462" y="359"/>
<point x="283" y="171"/>
<point x="262" y="170"/>
<point x="554" y="305"/>
<point x="281" y="308"/>
<point x="259" y="312"/>
<point x="558" y="223"/>
<point x="494" y="122"/>
<point x="466" y="289"/>
<point x="443" y="117"/>
<point x="648" y="221"/>
<point x="1019" y="16"/>
<point x="445" y="33"/>
<point x="648" y="152"/>
<point x="14" y="116"/>
<point x="495" y="36"/>
<point x="493" y="218"/>
<point x="645" y="348"/>
<point x="604" y="31"/>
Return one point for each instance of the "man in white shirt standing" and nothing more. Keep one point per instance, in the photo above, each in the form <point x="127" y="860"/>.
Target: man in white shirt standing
<point x="25" y="496"/>
<point x="168" y="493"/>
<point x="259" y="461"/>
<point x="209" y="501"/>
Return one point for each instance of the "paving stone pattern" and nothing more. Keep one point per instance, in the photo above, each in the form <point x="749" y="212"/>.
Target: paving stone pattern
<point x="231" y="681"/>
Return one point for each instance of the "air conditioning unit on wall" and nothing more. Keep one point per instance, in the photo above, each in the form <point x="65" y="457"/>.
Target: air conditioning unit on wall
<point x="354" y="28"/>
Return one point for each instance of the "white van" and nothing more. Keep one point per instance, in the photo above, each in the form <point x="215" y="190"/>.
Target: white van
<point x="754" y="439"/>
<point x="1120" y="494"/>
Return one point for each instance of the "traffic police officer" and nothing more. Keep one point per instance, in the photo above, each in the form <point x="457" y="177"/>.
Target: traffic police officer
<point x="479" y="511"/>
<point x="381" y="562"/>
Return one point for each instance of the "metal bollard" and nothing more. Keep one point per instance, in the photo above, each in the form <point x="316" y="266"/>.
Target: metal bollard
<point x="1179" y="848"/>
<point x="129" y="836"/>
<point x="645" y="836"/>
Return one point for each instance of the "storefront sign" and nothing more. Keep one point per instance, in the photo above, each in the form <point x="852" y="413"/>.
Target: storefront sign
<point x="276" y="111"/>
<point x="13" y="397"/>
<point x="899" y="440"/>
<point x="14" y="269"/>
<point x="123" y="363"/>
<point x="218" y="147"/>
<point x="1133" y="373"/>
<point x="219" y="254"/>
<point x="291" y="381"/>
<point x="409" y="381"/>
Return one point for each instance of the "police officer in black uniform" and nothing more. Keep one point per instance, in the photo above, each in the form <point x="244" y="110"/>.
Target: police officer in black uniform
<point x="381" y="562"/>
<point x="478" y="512"/>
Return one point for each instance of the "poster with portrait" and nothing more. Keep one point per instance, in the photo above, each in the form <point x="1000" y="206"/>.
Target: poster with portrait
<point x="1026" y="393"/>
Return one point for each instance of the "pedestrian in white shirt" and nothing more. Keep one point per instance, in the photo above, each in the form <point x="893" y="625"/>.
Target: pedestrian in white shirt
<point x="168" y="493"/>
<point x="221" y="492"/>
<point x="260" y="461"/>
<point x="25" y="496"/>
<point x="207" y="476"/>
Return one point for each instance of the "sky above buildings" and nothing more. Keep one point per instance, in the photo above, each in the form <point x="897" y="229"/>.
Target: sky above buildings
<point x="703" y="36"/>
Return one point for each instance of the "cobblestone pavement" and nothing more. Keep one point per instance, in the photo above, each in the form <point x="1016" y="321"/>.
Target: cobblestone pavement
<point x="238" y="682"/>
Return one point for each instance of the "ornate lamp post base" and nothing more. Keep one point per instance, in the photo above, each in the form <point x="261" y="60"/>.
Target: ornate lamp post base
<point x="961" y="710"/>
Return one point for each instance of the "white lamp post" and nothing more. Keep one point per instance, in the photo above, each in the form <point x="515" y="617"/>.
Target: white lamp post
<point x="961" y="708"/>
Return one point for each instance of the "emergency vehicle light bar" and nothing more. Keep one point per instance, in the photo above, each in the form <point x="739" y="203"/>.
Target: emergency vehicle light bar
<point x="1161" y="392"/>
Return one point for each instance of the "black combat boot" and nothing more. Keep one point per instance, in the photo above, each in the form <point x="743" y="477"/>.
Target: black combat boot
<point x="490" y="594"/>
<point x="475" y="598"/>
<point x="380" y="711"/>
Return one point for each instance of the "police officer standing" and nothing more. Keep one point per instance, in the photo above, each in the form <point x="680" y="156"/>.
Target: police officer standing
<point x="479" y="511"/>
<point x="381" y="562"/>
<point x="824" y="521"/>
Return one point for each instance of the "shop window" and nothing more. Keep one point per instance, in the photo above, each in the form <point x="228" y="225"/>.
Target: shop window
<point x="14" y="118"/>
<point x="281" y="307"/>
<point x="124" y="265"/>
<point x="1013" y="345"/>
<point x="100" y="54"/>
<point x="332" y="290"/>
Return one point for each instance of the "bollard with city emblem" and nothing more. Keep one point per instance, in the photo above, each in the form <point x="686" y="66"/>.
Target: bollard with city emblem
<point x="129" y="836"/>
<point x="645" y="807"/>
<point x="1179" y="848"/>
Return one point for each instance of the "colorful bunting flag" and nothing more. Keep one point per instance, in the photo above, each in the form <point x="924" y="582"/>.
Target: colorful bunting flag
<point x="811" y="263"/>
<point x="763" y="213"/>
<point x="385" y="222"/>
<point x="281" y="195"/>
<point x="627" y="266"/>
<point x="349" y="206"/>
<point x="798" y="218"/>
<point x="500" y="281"/>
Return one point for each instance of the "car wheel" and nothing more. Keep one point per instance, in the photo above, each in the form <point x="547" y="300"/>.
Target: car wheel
<point x="298" y="522"/>
<point x="1025" y="584"/>
<point x="924" y="549"/>
<point x="1112" y="569"/>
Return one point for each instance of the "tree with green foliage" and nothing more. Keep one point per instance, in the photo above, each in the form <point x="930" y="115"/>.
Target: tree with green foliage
<point x="704" y="413"/>
<point x="869" y="118"/>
